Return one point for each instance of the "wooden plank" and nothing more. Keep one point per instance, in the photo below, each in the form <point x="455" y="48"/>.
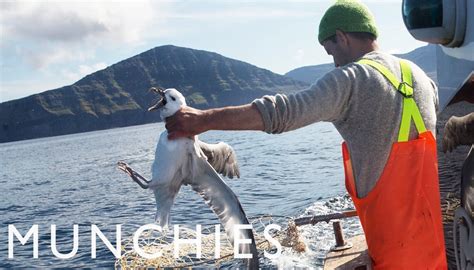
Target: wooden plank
<point x="355" y="258"/>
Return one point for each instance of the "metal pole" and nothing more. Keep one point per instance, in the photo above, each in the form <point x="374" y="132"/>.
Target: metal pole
<point x="340" y="242"/>
<point x="315" y="219"/>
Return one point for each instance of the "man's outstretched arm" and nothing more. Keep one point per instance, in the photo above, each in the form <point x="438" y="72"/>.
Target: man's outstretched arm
<point x="188" y="121"/>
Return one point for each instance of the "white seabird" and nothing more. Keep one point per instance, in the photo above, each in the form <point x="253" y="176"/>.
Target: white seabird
<point x="186" y="161"/>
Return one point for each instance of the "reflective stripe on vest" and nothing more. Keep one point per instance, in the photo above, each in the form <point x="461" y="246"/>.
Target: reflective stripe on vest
<point x="410" y="109"/>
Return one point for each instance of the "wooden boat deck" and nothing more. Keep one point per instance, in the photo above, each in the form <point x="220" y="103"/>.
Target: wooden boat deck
<point x="355" y="258"/>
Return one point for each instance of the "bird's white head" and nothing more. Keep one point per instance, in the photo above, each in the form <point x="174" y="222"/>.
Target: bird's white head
<point x="171" y="101"/>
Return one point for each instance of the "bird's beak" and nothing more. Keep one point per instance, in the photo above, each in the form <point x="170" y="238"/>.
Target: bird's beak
<point x="161" y="102"/>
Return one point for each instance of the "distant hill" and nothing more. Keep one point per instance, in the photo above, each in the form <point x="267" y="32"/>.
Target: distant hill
<point x="425" y="57"/>
<point x="310" y="74"/>
<point x="116" y="96"/>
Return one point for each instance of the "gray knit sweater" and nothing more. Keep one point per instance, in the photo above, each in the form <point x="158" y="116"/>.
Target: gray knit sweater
<point x="363" y="106"/>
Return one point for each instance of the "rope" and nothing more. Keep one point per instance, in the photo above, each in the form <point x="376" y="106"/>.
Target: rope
<point x="153" y="242"/>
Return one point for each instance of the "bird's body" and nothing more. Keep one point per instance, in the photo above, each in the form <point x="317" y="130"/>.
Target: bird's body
<point x="170" y="170"/>
<point x="185" y="161"/>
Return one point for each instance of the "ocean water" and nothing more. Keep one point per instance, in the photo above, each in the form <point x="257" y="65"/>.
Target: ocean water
<point x="73" y="179"/>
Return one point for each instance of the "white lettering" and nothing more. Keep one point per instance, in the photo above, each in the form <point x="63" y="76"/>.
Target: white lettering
<point x="217" y="251"/>
<point x="13" y="231"/>
<point x="96" y="231"/>
<point x="136" y="237"/>
<point x="197" y="241"/>
<point x="271" y="240"/>
<point x="241" y="243"/>
<point x="238" y="241"/>
<point x="75" y="245"/>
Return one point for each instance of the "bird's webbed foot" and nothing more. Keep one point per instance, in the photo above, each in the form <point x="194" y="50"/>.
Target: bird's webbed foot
<point x="140" y="180"/>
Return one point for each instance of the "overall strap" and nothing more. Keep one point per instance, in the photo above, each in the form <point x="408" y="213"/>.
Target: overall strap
<point x="410" y="109"/>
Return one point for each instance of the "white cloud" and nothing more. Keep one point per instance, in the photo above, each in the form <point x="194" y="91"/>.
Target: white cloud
<point x="57" y="24"/>
<point x="236" y="12"/>
<point x="49" y="55"/>
<point x="45" y="31"/>
<point x="75" y="21"/>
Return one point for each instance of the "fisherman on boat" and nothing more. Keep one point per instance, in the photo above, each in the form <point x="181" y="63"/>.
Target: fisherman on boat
<point x="385" y="109"/>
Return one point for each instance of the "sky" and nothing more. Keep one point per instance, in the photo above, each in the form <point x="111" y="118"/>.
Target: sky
<point x="45" y="45"/>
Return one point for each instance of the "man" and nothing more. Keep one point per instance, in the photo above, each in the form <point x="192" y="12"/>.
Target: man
<point x="390" y="164"/>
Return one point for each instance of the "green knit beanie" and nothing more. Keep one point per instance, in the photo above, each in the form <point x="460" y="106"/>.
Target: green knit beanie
<point x="347" y="16"/>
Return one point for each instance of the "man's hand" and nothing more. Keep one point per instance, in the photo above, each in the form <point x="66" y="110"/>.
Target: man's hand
<point x="186" y="122"/>
<point x="458" y="131"/>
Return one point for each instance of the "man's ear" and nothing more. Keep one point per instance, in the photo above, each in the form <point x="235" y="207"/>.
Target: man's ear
<point x="341" y="37"/>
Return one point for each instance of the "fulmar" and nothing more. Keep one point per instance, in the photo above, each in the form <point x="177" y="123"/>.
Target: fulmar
<point x="190" y="161"/>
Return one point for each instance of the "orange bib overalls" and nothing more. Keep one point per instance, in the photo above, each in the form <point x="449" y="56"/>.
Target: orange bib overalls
<point x="401" y="216"/>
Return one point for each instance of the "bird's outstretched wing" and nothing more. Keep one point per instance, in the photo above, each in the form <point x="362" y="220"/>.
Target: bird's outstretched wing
<point x="225" y="204"/>
<point x="222" y="158"/>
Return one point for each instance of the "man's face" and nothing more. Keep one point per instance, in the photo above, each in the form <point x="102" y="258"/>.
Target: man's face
<point x="339" y="52"/>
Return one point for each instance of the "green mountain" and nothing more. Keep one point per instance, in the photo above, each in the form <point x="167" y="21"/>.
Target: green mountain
<point x="117" y="96"/>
